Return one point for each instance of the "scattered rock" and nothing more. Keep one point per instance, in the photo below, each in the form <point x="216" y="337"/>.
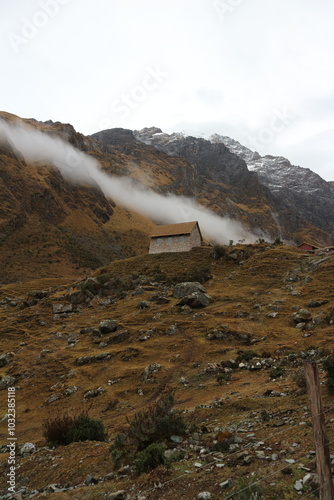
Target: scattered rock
<point x="301" y="316"/>
<point x="195" y="300"/>
<point x="187" y="288"/>
<point x="90" y="480"/>
<point x="103" y="356"/>
<point x="4" y="359"/>
<point x="204" y="495"/>
<point x="94" y="392"/>
<point x="78" y="297"/>
<point x="108" y="326"/>
<point x="176" y="439"/>
<point x="118" y="495"/>
<point x="225" y="485"/>
<point x="62" y="308"/>
<point x="119" y="337"/>
<point x="27" y="449"/>
<point x="6" y="381"/>
<point x="150" y="369"/>
<point x="70" y="390"/>
<point x="298" y="486"/>
<point x="317" y="303"/>
<point x="143" y="304"/>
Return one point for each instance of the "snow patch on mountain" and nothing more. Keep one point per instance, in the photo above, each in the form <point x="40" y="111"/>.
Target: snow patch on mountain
<point x="276" y="172"/>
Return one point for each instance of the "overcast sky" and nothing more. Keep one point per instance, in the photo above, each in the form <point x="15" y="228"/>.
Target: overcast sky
<point x="259" y="71"/>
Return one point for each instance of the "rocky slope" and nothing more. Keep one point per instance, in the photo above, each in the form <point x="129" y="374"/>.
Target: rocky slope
<point x="112" y="343"/>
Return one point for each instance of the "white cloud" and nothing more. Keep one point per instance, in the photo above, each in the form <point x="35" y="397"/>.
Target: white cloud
<point x="226" y="72"/>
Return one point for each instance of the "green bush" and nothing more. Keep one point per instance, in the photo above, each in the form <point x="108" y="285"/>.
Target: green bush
<point x="328" y="365"/>
<point x="86" y="429"/>
<point x="247" y="490"/>
<point x="218" y="251"/>
<point x="246" y="356"/>
<point x="66" y="429"/>
<point x="103" y="278"/>
<point x="150" y="458"/>
<point x="156" y="423"/>
<point x="276" y="372"/>
<point x="223" y="377"/>
<point x="300" y="380"/>
<point x="201" y="273"/>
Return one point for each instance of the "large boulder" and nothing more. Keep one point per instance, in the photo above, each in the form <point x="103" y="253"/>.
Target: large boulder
<point x="59" y="308"/>
<point x="108" y="326"/>
<point x="196" y="300"/>
<point x="302" y="316"/>
<point x="150" y="369"/>
<point x="187" y="288"/>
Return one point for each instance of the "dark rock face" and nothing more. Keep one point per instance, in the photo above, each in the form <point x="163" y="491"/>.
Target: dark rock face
<point x="115" y="136"/>
<point x="282" y="199"/>
<point x="300" y="189"/>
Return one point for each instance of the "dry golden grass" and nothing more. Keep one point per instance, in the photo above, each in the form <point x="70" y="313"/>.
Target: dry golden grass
<point x="46" y="365"/>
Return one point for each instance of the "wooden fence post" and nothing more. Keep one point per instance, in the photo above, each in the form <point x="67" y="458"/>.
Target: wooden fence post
<point x="326" y="489"/>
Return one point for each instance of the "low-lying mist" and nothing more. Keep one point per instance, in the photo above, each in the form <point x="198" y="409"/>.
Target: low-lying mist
<point x="78" y="167"/>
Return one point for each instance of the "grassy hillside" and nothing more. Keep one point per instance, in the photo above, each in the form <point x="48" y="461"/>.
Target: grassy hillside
<point x="256" y="290"/>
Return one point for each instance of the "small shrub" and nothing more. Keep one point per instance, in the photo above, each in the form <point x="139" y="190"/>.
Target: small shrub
<point x="56" y="429"/>
<point x="223" y="377"/>
<point x="103" y="278"/>
<point x="278" y="241"/>
<point x="328" y="365"/>
<point x="247" y="490"/>
<point x="218" y="251"/>
<point x="67" y="429"/>
<point x="117" y="457"/>
<point x="201" y="273"/>
<point x="119" y="450"/>
<point x="276" y="372"/>
<point x="175" y="457"/>
<point x="156" y="423"/>
<point x="246" y="356"/>
<point x="300" y="380"/>
<point x="86" y="429"/>
<point x="150" y="458"/>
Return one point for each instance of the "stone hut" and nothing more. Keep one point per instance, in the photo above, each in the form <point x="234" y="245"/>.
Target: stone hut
<point x="175" y="237"/>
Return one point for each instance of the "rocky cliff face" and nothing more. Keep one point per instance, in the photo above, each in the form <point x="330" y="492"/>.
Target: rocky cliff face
<point x="302" y="190"/>
<point x="289" y="201"/>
